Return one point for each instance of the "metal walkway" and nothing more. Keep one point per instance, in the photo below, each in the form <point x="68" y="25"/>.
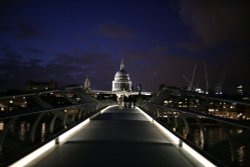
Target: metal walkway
<point x="118" y="137"/>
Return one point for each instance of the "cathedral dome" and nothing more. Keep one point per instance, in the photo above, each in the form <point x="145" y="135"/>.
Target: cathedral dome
<point x="121" y="80"/>
<point x="121" y="75"/>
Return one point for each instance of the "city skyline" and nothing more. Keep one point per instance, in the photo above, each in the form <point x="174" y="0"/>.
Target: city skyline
<point x="160" y="41"/>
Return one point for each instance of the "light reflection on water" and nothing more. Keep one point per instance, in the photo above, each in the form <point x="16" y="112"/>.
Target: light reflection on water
<point x="242" y="156"/>
<point x="24" y="129"/>
<point x="43" y="131"/>
<point x="215" y="135"/>
<point x="196" y="136"/>
<point x="1" y="125"/>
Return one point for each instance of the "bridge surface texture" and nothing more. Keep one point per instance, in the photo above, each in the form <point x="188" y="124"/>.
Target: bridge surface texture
<point x="118" y="137"/>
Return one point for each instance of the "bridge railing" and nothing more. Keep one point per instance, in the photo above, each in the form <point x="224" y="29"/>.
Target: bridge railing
<point x="223" y="141"/>
<point x="48" y="115"/>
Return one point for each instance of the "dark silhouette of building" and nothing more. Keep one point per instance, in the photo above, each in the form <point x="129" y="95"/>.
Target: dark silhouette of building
<point x="32" y="85"/>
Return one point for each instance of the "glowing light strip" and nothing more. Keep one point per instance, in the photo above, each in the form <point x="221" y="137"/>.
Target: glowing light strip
<point x="197" y="156"/>
<point x="177" y="140"/>
<point x="105" y="109"/>
<point x="74" y="130"/>
<point x="35" y="154"/>
<point x="146" y="115"/>
<point x="171" y="136"/>
<point x="62" y="138"/>
<point x="45" y="148"/>
<point x="174" y="139"/>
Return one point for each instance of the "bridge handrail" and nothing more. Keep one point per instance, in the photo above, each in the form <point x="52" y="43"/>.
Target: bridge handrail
<point x="33" y="92"/>
<point x="28" y="112"/>
<point x="196" y="129"/>
<point x="213" y="117"/>
<point x="57" y="119"/>
<point x="21" y="94"/>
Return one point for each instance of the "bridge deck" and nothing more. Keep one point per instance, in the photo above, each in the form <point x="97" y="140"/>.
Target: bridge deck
<point x="117" y="138"/>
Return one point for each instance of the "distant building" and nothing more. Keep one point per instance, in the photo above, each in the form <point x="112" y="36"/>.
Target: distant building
<point x="121" y="80"/>
<point x="31" y="85"/>
<point x="218" y="90"/>
<point x="240" y="90"/>
<point x="87" y="84"/>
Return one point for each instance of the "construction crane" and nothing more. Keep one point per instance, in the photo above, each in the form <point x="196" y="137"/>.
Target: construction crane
<point x="206" y="77"/>
<point x="218" y="87"/>
<point x="193" y="76"/>
<point x="190" y="82"/>
<point x="186" y="79"/>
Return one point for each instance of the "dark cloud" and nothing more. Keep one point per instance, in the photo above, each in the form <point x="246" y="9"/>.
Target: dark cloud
<point x="99" y="66"/>
<point x="155" y="66"/>
<point x="236" y="62"/>
<point x="190" y="46"/>
<point x="214" y="22"/>
<point x="115" y="31"/>
<point x="81" y="38"/>
<point x="5" y="28"/>
<point x="83" y="58"/>
<point x="64" y="68"/>
<point x="220" y="34"/>
<point x="34" y="62"/>
<point x="11" y="70"/>
<point x="33" y="50"/>
<point x="27" y="31"/>
<point x="5" y="47"/>
<point x="150" y="67"/>
<point x="11" y="2"/>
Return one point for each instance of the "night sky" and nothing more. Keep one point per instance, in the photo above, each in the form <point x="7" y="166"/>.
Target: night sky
<point x="159" y="41"/>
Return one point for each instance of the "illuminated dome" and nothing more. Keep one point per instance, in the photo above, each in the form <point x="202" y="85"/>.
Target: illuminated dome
<point x="121" y="75"/>
<point x="121" y="80"/>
